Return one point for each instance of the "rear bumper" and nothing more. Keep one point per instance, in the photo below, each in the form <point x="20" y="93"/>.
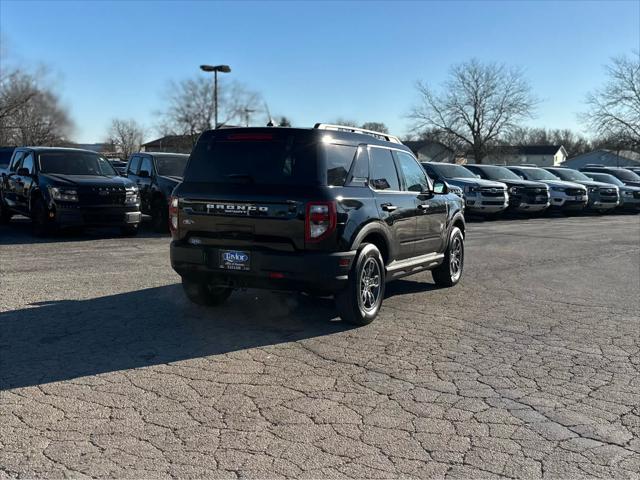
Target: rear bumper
<point x="70" y="216"/>
<point x="322" y="272"/>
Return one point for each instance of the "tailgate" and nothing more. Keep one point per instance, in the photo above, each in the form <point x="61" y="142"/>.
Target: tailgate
<point x="243" y="216"/>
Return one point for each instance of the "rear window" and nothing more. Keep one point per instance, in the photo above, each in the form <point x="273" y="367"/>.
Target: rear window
<point x="339" y="160"/>
<point x="261" y="158"/>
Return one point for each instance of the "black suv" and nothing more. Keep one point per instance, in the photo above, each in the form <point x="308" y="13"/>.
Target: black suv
<point x="156" y="175"/>
<point x="64" y="187"/>
<point x="330" y="210"/>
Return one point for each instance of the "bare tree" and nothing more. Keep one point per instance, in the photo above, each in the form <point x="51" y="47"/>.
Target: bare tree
<point x="375" y="126"/>
<point x="30" y="113"/>
<point x="191" y="106"/>
<point x="345" y="121"/>
<point x="126" y="136"/>
<point x="284" y="121"/>
<point x="573" y="142"/>
<point x="614" y="109"/>
<point x="479" y="103"/>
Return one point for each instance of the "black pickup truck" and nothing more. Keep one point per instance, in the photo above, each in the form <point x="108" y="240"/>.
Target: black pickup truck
<point x="156" y="175"/>
<point x="66" y="187"/>
<point x="331" y="210"/>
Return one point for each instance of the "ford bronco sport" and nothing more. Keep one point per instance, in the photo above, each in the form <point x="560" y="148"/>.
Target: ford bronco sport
<point x="330" y="210"/>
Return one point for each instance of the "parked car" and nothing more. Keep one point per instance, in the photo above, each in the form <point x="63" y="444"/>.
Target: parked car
<point x="629" y="196"/>
<point x="330" y="210"/>
<point x="635" y="170"/>
<point x="602" y="196"/>
<point x="156" y="175"/>
<point x="524" y="195"/>
<point x="119" y="166"/>
<point x="565" y="196"/>
<point x="481" y="196"/>
<point x="64" y="187"/>
<point x="625" y="176"/>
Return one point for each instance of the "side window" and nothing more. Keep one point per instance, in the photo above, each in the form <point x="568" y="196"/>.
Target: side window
<point x="146" y="165"/>
<point x="359" y="174"/>
<point x="17" y="160"/>
<point x="133" y="165"/>
<point x="414" y="176"/>
<point x="27" y="162"/>
<point x="520" y="173"/>
<point x="339" y="160"/>
<point x="383" y="170"/>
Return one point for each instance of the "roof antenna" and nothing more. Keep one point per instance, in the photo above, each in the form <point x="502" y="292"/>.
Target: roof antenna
<point x="271" y="123"/>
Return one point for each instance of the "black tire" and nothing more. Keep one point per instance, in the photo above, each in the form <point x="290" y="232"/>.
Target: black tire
<point x="41" y="226"/>
<point x="204" y="293"/>
<point x="130" y="230"/>
<point x="159" y="216"/>
<point x="360" y="302"/>
<point x="449" y="272"/>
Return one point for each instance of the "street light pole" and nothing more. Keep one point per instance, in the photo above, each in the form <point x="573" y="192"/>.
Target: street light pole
<point x="215" y="69"/>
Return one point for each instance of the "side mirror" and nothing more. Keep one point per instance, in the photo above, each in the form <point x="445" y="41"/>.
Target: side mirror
<point x="143" y="174"/>
<point x="23" y="172"/>
<point x="440" y="187"/>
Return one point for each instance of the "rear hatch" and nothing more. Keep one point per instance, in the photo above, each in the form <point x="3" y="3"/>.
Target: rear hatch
<point x="248" y="189"/>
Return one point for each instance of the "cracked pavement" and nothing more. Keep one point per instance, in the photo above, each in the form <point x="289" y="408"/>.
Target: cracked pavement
<point x="529" y="368"/>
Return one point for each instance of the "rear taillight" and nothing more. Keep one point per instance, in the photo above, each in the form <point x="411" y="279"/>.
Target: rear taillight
<point x="320" y="220"/>
<point x="173" y="215"/>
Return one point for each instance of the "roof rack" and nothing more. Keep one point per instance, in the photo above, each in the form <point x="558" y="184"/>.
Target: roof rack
<point x="344" y="128"/>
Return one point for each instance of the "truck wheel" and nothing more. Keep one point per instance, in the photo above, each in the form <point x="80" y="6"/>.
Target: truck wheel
<point x="160" y="216"/>
<point x="40" y="224"/>
<point x="360" y="302"/>
<point x="130" y="230"/>
<point x="203" y="293"/>
<point x="449" y="272"/>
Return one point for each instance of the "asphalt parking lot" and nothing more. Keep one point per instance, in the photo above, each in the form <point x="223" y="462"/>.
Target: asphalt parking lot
<point x="529" y="368"/>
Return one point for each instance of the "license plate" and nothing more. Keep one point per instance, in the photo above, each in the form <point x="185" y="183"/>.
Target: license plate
<point x="540" y="199"/>
<point x="579" y="197"/>
<point x="235" y="260"/>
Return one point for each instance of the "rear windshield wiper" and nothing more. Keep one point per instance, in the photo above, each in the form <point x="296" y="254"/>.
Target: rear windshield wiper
<point x="241" y="176"/>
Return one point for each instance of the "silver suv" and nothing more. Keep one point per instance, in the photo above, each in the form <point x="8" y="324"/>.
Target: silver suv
<point x="481" y="196"/>
<point x="602" y="196"/>
<point x="629" y="196"/>
<point x="565" y="196"/>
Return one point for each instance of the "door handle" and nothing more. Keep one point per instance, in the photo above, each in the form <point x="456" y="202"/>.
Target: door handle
<point x="424" y="206"/>
<point x="388" y="207"/>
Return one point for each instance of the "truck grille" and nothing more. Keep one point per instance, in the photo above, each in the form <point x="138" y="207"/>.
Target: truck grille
<point x="102" y="196"/>
<point x="575" y="191"/>
<point x="608" y="194"/>
<point x="536" y="195"/>
<point x="492" y="192"/>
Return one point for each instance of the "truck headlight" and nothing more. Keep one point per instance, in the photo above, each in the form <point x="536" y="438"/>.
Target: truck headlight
<point x="472" y="190"/>
<point x="132" y="196"/>
<point x="63" y="194"/>
<point x="629" y="194"/>
<point x="513" y="190"/>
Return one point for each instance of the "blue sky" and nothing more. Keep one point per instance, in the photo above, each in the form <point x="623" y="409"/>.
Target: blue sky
<point x="311" y="61"/>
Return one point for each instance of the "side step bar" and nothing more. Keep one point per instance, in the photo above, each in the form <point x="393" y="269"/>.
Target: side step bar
<point x="402" y="268"/>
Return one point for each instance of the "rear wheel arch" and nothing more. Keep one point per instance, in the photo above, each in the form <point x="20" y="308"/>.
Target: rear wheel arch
<point x="375" y="234"/>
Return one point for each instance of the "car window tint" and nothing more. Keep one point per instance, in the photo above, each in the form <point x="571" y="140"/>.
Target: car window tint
<point x="133" y="165"/>
<point x="339" y="160"/>
<point x="383" y="170"/>
<point x="27" y="162"/>
<point x="360" y="168"/>
<point x="146" y="165"/>
<point x="414" y="176"/>
<point x="17" y="160"/>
